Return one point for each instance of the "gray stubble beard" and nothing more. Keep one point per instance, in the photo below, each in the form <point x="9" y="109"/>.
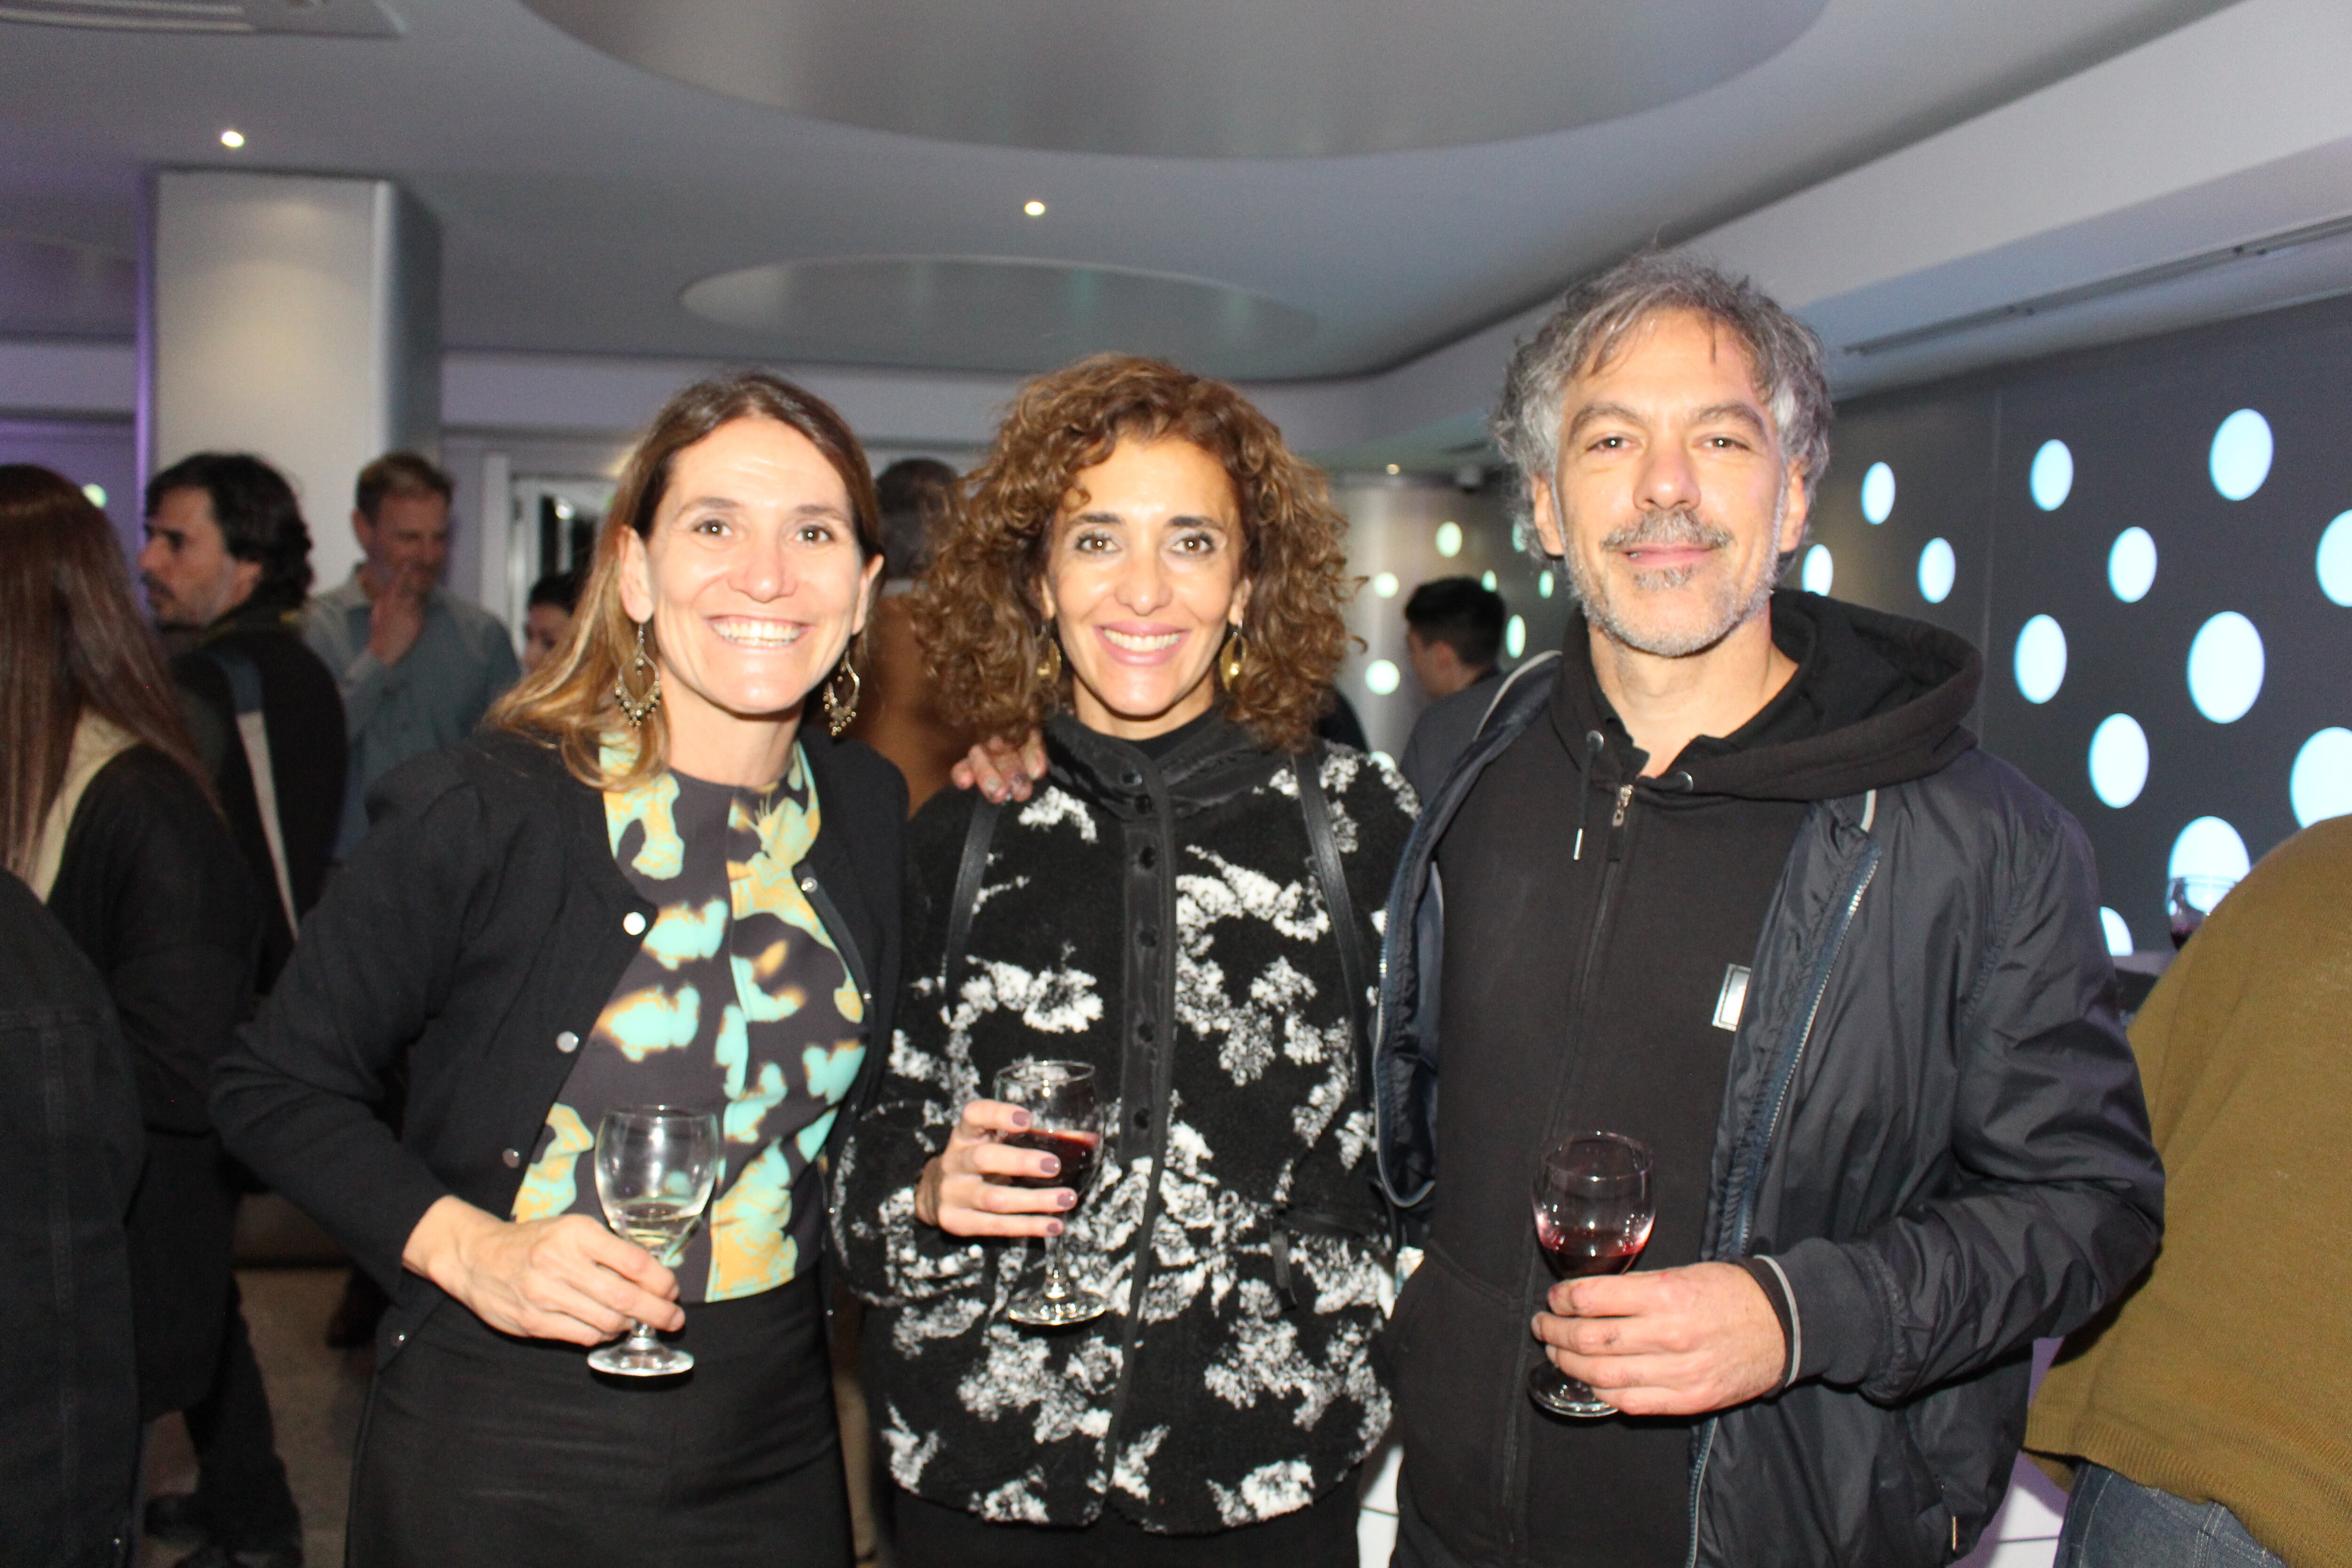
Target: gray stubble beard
<point x="1682" y="525"/>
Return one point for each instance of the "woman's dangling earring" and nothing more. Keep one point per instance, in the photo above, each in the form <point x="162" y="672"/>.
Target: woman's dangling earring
<point x="1049" y="663"/>
<point x="1231" y="660"/>
<point x="636" y="709"/>
<point x="838" y="713"/>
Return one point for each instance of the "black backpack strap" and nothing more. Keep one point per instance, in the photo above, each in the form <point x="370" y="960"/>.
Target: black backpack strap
<point x="1325" y="846"/>
<point x="969" y="872"/>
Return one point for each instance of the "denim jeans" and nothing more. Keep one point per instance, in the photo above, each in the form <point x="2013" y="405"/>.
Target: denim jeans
<point x="2113" y="1521"/>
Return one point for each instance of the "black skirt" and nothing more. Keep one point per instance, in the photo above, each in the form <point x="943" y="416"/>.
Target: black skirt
<point x="481" y="1448"/>
<point x="1320" y="1535"/>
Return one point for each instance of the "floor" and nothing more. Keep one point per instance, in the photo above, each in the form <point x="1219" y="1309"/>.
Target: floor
<point x="316" y="1396"/>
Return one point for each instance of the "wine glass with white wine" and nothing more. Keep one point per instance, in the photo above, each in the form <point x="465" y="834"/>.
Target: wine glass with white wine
<point x="655" y="1167"/>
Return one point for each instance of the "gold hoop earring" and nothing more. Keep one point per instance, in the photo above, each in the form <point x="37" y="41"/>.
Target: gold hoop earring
<point x="1231" y="661"/>
<point x="636" y="709"/>
<point x="1049" y="663"/>
<point x="840" y="714"/>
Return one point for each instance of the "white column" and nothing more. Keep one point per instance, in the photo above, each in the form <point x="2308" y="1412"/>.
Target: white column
<point x="293" y="317"/>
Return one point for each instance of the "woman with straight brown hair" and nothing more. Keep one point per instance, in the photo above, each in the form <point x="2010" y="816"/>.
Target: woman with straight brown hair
<point x="653" y="880"/>
<point x="1183" y="912"/>
<point x="106" y="813"/>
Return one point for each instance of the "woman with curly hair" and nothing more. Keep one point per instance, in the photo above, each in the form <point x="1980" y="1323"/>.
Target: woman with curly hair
<point x="1184" y="905"/>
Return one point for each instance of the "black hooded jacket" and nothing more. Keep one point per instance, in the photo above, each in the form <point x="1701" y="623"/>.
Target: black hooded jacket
<point x="1915" y="1100"/>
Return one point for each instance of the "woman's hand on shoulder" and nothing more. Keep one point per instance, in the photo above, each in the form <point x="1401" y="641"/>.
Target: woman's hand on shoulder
<point x="956" y="1194"/>
<point x="1001" y="772"/>
<point x="563" y="1279"/>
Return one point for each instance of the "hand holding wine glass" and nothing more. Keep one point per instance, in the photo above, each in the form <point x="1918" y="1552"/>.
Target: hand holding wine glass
<point x="985" y="1184"/>
<point x="656" y="1168"/>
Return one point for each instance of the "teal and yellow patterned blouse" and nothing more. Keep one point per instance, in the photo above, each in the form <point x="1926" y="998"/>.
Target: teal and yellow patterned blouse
<point x="739" y="1004"/>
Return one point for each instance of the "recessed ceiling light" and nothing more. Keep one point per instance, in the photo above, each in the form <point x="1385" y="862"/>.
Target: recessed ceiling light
<point x="1035" y="209"/>
<point x="232" y="139"/>
<point x="1394" y="469"/>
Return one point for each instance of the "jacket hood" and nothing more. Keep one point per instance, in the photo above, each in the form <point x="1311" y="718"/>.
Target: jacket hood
<point x="1877" y="700"/>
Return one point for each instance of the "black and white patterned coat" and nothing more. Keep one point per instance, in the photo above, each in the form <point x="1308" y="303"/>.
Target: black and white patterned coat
<point x="1128" y="907"/>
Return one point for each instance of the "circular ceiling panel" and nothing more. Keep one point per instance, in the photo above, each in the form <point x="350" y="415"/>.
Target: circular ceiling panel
<point x="1197" y="78"/>
<point x="997" y="314"/>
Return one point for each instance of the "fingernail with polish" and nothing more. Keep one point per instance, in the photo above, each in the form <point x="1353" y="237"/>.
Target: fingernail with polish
<point x="1067" y="1199"/>
<point x="1052" y="1227"/>
<point x="1049" y="1166"/>
<point x="1020" y="1119"/>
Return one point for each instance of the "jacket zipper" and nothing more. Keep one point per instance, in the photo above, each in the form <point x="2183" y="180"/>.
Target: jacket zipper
<point x="1745" y="1219"/>
<point x="1609" y="871"/>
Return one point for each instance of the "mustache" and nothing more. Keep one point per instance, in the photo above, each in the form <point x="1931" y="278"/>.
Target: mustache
<point x="1681" y="525"/>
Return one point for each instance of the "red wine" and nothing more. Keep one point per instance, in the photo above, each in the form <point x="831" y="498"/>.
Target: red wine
<point x="1575" y="1253"/>
<point x="1076" y="1152"/>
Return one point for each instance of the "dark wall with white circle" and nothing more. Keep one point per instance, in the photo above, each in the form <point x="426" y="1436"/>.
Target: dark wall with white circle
<point x="2153" y="544"/>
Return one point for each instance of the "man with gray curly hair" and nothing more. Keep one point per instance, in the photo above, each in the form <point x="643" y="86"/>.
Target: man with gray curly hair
<point x="1727" y="878"/>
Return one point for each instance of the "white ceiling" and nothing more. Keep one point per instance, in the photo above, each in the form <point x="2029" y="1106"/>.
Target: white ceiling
<point x="582" y="198"/>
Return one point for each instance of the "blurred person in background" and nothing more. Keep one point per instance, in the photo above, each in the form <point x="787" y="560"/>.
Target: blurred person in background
<point x="653" y="879"/>
<point x="110" y="816"/>
<point x="900" y="716"/>
<point x="226" y="566"/>
<point x="1454" y="633"/>
<point x="547" y="617"/>
<point x="418" y="665"/>
<point x="2209" y="1419"/>
<point x="71" y="1149"/>
<point x="1184" y="904"/>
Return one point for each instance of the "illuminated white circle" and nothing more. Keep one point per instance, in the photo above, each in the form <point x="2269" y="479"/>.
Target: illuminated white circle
<point x="2241" y="458"/>
<point x="2131" y="564"/>
<point x="2321" y="784"/>
<point x="2041" y="661"/>
<point x="2118" y="760"/>
<point x="1515" y="636"/>
<point x="95" y="494"/>
<point x="2119" y="936"/>
<point x="2208" y="847"/>
<point x="1937" y="568"/>
<point x="2335" y="560"/>
<point x="1381" y="676"/>
<point x="1449" y="539"/>
<point x="1486" y="581"/>
<point x="1820" y="569"/>
<point x="2053" y="476"/>
<point x="1877" y="493"/>
<point x="1543" y="582"/>
<point x="1385" y="584"/>
<point x="2225" y="668"/>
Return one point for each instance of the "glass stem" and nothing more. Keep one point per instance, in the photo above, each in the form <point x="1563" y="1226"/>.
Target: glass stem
<point x="1057" y="1283"/>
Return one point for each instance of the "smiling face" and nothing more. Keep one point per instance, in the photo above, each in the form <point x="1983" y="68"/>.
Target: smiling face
<point x="192" y="579"/>
<point x="754" y="582"/>
<point x="1673" y="501"/>
<point x="1142" y="579"/>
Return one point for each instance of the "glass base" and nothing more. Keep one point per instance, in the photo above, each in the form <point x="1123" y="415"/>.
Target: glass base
<point x="641" y="1356"/>
<point x="1552" y="1389"/>
<point x="1045" y="1309"/>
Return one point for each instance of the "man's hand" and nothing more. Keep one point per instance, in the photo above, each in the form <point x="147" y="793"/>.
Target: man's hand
<point x="1001" y="772"/>
<point x="956" y="1194"/>
<point x="1678" y="1342"/>
<point x="395" y="620"/>
<point x="564" y="1278"/>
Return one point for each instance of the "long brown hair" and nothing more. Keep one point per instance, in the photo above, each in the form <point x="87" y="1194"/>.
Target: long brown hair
<point x="568" y="702"/>
<point x="71" y="641"/>
<point x="983" y="631"/>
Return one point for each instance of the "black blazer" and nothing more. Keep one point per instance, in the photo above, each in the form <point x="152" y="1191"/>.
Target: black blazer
<point x="477" y="930"/>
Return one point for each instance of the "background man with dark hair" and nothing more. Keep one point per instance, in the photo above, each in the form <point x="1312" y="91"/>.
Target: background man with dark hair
<point x="417" y="664"/>
<point x="1729" y="877"/>
<point x="227" y="564"/>
<point x="1453" y="633"/>
<point x="895" y="715"/>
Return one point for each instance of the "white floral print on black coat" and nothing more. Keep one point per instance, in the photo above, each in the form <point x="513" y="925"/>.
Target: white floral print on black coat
<point x="1245" y="1387"/>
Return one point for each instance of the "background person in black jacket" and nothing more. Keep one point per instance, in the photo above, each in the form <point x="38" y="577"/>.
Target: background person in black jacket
<point x="1728" y="876"/>
<point x="128" y="846"/>
<point x="653" y="882"/>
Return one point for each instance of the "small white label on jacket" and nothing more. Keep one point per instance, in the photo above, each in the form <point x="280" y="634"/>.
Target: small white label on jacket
<point x="1728" y="1001"/>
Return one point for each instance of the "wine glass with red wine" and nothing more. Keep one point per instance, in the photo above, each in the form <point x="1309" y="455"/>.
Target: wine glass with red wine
<point x="1065" y="1121"/>
<point x="1594" y="1208"/>
<point x="2189" y="900"/>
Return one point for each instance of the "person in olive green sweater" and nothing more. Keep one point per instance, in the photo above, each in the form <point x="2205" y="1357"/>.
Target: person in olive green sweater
<point x="2209" y="1420"/>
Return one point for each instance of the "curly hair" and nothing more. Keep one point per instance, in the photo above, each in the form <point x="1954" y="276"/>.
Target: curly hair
<point x="979" y="617"/>
<point x="568" y="702"/>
